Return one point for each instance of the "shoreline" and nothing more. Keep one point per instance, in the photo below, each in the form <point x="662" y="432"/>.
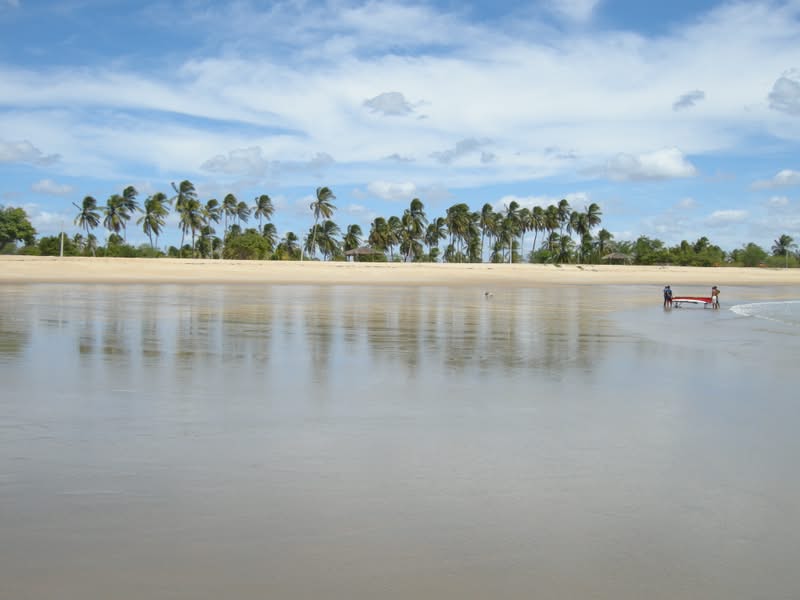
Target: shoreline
<point x="82" y="270"/>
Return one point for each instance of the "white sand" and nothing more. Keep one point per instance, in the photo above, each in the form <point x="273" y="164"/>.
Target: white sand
<point x="21" y="269"/>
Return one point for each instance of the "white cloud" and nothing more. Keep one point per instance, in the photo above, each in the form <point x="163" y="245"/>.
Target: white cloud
<point x="465" y="148"/>
<point x="668" y="163"/>
<point x="577" y="200"/>
<point x="591" y="89"/>
<point x="251" y="162"/>
<point x="24" y="152"/>
<point x="687" y="203"/>
<point x="48" y="186"/>
<point x="688" y="100"/>
<point x="778" y="202"/>
<point x="574" y="10"/>
<point x="785" y="94"/>
<point x="783" y="178"/>
<point x="390" y="104"/>
<point x="393" y="191"/>
<point x="721" y="218"/>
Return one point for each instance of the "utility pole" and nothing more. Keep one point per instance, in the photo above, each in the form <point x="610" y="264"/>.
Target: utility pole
<point x="62" y="239"/>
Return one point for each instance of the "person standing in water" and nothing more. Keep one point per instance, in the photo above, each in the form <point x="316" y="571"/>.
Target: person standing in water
<point x="667" y="297"/>
<point x="714" y="297"/>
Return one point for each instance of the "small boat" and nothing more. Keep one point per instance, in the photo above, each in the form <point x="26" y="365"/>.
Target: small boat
<point x="680" y="300"/>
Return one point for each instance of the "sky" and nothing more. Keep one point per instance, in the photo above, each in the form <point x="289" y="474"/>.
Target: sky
<point x="678" y="119"/>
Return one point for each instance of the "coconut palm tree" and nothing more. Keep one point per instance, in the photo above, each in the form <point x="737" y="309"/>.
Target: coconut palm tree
<point x="88" y="217"/>
<point x="287" y="248"/>
<point x="551" y="223"/>
<point x="537" y="225"/>
<point x="412" y="229"/>
<point x="154" y="216"/>
<point x="379" y="234"/>
<point x="783" y="245"/>
<point x="352" y="238"/>
<point x="191" y="219"/>
<point x="458" y="220"/>
<point x="114" y="212"/>
<point x="486" y="222"/>
<point x="564" y="211"/>
<point x="229" y="206"/>
<point x="128" y="207"/>
<point x="436" y="232"/>
<point x="327" y="238"/>
<point x="184" y="191"/>
<point x="270" y="234"/>
<point x="511" y="227"/>
<point x="604" y="237"/>
<point x="242" y="212"/>
<point x="321" y="207"/>
<point x="263" y="208"/>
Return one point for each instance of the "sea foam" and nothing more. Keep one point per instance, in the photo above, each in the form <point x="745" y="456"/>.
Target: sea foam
<point x="787" y="311"/>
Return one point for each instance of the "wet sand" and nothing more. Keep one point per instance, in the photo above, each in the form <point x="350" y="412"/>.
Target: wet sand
<point x="198" y="442"/>
<point x="121" y="270"/>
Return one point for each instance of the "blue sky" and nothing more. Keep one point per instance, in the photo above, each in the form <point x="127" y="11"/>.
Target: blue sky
<point x="678" y="119"/>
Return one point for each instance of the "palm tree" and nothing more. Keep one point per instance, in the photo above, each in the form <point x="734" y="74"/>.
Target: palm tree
<point x="458" y="224"/>
<point x="212" y="213"/>
<point x="129" y="206"/>
<point x="394" y="227"/>
<point x="537" y="225"/>
<point x="563" y="211"/>
<point x="287" y="249"/>
<point x="229" y="206"/>
<point x="114" y="212"/>
<point x="486" y="222"/>
<point x="191" y="219"/>
<point x="379" y="234"/>
<point x="242" y="212"/>
<point x="154" y="217"/>
<point x="263" y="208"/>
<point x="603" y="238"/>
<point x="352" y="238"/>
<point x="511" y="227"/>
<point x="321" y="207"/>
<point x="436" y="231"/>
<point x="185" y="191"/>
<point x="551" y="223"/>
<point x="412" y="229"/>
<point x="270" y="234"/>
<point x="327" y="239"/>
<point x="782" y="246"/>
<point x="88" y="217"/>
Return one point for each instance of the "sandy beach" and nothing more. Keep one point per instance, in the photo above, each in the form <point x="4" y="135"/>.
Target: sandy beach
<point x="22" y="269"/>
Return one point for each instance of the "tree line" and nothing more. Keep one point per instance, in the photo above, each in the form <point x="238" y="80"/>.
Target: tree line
<point x="213" y="229"/>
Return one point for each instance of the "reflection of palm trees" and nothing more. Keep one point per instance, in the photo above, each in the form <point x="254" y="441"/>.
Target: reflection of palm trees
<point x="88" y="217"/>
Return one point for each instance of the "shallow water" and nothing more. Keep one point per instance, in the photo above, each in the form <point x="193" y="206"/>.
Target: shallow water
<point x="355" y="442"/>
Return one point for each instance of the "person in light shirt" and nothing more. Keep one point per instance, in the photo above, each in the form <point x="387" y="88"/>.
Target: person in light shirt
<point x="715" y="296"/>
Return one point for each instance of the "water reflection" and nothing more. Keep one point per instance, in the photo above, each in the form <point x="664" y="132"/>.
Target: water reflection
<point x="351" y="442"/>
<point x="538" y="329"/>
